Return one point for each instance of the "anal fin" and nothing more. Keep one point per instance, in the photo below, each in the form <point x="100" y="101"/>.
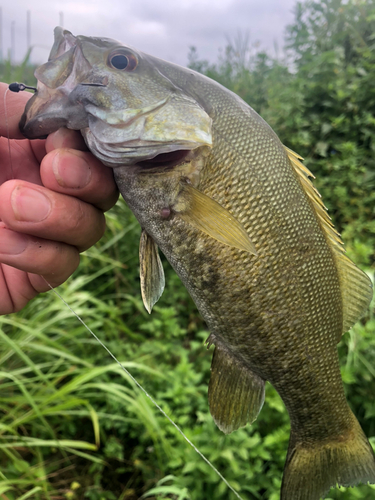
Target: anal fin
<point x="235" y="393"/>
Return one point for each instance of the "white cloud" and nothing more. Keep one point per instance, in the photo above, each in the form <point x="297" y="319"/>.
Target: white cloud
<point x="165" y="29"/>
<point x="148" y="29"/>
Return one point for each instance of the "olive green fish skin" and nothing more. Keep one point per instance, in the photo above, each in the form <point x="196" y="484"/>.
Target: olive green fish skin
<point x="275" y="315"/>
<point x="280" y="312"/>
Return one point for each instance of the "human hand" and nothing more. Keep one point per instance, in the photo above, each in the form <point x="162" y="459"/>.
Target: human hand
<point x="53" y="194"/>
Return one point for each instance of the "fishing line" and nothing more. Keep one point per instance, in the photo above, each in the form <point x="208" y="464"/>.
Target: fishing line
<point x="16" y="87"/>
<point x="145" y="392"/>
<point x="7" y="129"/>
<point x="13" y="87"/>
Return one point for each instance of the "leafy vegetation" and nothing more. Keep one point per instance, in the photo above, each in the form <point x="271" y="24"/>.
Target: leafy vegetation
<point x="73" y="425"/>
<point x="23" y="72"/>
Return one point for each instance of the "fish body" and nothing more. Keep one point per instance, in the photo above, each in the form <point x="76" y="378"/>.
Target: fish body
<point x="236" y="216"/>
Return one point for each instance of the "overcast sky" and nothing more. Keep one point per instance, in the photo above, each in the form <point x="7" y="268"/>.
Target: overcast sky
<point x="163" y="28"/>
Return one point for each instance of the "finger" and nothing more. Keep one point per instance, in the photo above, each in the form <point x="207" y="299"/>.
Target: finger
<point x="65" y="138"/>
<point x="55" y="261"/>
<point x="18" y="161"/>
<point x="38" y="147"/>
<point x="62" y="138"/>
<point x="37" y="211"/>
<point x="11" y="111"/>
<point x="79" y="174"/>
<point x="15" y="289"/>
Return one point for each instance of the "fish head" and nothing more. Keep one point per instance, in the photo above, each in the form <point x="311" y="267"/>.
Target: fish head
<point x="143" y="117"/>
<point x="127" y="110"/>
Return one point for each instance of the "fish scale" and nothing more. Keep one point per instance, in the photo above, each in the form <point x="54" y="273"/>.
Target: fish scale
<point x="234" y="321"/>
<point x="240" y="222"/>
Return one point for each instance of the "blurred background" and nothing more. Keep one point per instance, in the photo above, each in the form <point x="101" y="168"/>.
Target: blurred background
<point x="72" y="424"/>
<point x="165" y="29"/>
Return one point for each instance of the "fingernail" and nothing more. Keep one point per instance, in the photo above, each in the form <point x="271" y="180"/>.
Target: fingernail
<point x="71" y="170"/>
<point x="11" y="243"/>
<point x="29" y="205"/>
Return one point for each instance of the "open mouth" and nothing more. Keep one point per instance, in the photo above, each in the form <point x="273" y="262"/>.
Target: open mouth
<point x="165" y="160"/>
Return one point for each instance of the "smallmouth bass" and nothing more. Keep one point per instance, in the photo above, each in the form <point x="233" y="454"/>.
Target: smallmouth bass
<point x="237" y="217"/>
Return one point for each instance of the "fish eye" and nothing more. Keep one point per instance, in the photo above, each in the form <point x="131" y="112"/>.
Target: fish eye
<point x="122" y="61"/>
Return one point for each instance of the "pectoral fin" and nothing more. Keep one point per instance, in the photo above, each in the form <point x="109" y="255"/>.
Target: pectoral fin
<point x="208" y="216"/>
<point x="151" y="272"/>
<point x="235" y="393"/>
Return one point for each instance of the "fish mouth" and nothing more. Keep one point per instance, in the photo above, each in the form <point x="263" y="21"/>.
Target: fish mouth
<point x="50" y="109"/>
<point x="121" y="125"/>
<point x="41" y="126"/>
<point x="38" y="130"/>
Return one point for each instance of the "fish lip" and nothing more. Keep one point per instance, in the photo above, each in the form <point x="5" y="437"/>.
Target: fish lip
<point x="40" y="126"/>
<point x="48" y="110"/>
<point x="123" y="117"/>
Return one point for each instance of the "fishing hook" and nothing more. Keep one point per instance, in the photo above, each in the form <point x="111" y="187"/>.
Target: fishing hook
<point x="17" y="87"/>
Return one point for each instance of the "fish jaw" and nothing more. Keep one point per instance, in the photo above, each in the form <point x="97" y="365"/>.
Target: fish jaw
<point x="48" y="111"/>
<point x="55" y="103"/>
<point x="140" y="135"/>
<point x="123" y="118"/>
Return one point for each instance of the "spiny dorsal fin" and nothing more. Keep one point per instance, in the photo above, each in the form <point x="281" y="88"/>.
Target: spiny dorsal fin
<point x="355" y="285"/>
<point x="235" y="393"/>
<point x="151" y="271"/>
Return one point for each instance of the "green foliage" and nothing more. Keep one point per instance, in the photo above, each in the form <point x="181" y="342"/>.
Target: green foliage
<point x="327" y="111"/>
<point x="70" y="416"/>
<point x="73" y="425"/>
<point x="324" y="109"/>
<point x="22" y="73"/>
<point x="244" y="70"/>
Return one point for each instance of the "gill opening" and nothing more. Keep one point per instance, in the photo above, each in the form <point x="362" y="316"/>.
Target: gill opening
<point x="164" y="160"/>
<point x="140" y="387"/>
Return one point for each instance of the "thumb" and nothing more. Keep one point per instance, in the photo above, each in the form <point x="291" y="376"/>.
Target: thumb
<point x="12" y="106"/>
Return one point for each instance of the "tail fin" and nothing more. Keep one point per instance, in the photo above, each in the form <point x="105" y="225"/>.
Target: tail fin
<point x="311" y="469"/>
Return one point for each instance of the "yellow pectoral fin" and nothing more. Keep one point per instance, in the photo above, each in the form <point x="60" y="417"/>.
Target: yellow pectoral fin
<point x="208" y="216"/>
<point x="151" y="272"/>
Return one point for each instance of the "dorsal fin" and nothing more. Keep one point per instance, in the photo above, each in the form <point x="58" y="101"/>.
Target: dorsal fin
<point x="355" y="285"/>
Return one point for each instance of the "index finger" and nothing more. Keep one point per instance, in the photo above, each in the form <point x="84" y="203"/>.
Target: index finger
<point x="11" y="110"/>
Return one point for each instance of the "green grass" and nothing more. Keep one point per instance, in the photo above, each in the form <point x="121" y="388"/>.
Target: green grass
<point x="73" y="424"/>
<point x="22" y="73"/>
